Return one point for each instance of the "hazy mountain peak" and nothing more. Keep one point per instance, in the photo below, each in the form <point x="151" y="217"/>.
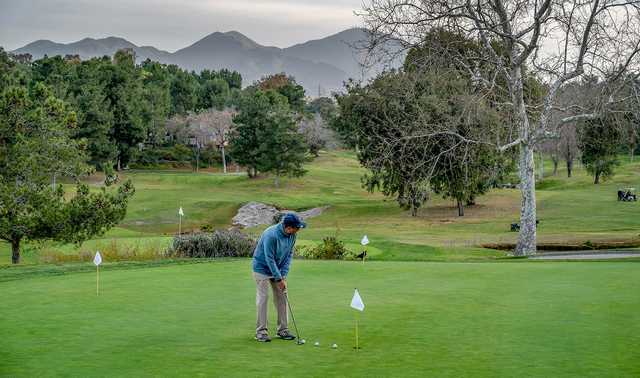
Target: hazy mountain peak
<point x="320" y="66"/>
<point x="225" y="40"/>
<point x="38" y="43"/>
<point x="246" y="41"/>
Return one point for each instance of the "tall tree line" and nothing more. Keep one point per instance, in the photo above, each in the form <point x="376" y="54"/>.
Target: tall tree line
<point x="122" y="106"/>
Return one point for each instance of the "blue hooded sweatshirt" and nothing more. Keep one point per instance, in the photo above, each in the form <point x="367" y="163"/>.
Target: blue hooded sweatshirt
<point x="274" y="252"/>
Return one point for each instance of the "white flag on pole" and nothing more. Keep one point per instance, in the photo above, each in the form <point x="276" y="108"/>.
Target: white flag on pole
<point x="365" y="240"/>
<point x="97" y="259"/>
<point x="181" y="212"/>
<point x="356" y="301"/>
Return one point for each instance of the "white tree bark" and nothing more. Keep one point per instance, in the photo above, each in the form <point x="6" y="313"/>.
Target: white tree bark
<point x="224" y="160"/>
<point x="527" y="236"/>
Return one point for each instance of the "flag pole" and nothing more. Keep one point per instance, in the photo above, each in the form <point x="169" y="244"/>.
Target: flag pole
<point x="97" y="280"/>
<point x="180" y="226"/>
<point x="357" y="347"/>
<point x="356" y="303"/>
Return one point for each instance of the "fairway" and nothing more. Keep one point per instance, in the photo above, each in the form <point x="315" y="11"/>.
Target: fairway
<point x="571" y="210"/>
<point x="421" y="319"/>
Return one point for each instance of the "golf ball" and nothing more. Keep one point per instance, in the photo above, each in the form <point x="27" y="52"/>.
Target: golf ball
<point x="317" y="343"/>
<point x="334" y="346"/>
<point x="303" y="341"/>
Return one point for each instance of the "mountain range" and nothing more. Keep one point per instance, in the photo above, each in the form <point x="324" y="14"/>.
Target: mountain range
<point x="320" y="66"/>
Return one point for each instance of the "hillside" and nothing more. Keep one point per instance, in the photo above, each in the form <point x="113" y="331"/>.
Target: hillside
<point x="320" y="66"/>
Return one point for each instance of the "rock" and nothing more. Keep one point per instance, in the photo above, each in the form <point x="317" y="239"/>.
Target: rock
<point x="255" y="213"/>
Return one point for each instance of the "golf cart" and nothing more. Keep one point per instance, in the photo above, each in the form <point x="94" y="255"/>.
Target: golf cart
<point x="627" y="195"/>
<point x="515" y="227"/>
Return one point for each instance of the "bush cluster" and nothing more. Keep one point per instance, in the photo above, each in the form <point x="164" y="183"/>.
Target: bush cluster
<point x="220" y="243"/>
<point x="330" y="249"/>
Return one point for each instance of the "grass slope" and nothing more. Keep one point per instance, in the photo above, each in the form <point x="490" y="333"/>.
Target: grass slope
<point x="421" y="319"/>
<point x="570" y="209"/>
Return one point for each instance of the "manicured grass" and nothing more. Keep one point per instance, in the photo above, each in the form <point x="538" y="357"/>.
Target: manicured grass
<point x="570" y="210"/>
<point x="421" y="319"/>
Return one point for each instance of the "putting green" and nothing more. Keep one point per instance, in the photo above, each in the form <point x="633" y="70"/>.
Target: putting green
<point x="421" y="319"/>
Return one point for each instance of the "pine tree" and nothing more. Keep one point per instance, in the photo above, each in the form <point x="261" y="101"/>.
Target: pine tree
<point x="265" y="137"/>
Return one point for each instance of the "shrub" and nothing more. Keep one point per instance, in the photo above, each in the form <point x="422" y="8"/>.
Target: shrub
<point x="220" y="243"/>
<point x="330" y="249"/>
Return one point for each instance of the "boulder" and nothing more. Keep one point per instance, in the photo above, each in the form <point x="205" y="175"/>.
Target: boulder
<point x="255" y="213"/>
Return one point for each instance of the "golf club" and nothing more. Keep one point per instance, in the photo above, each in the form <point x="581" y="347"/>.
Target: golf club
<point x="299" y="340"/>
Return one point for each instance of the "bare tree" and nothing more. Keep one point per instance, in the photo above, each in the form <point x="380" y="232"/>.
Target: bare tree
<point x="568" y="146"/>
<point x="212" y="126"/>
<point x="633" y="131"/>
<point x="317" y="134"/>
<point x="560" y="40"/>
<point x="551" y="147"/>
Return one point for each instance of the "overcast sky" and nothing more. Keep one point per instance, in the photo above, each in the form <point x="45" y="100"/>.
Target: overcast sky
<point x="173" y="24"/>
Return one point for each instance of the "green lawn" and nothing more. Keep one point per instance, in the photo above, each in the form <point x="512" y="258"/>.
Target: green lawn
<point x="421" y="319"/>
<point x="570" y="210"/>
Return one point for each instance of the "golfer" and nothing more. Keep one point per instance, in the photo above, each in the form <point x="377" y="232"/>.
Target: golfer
<point x="271" y="261"/>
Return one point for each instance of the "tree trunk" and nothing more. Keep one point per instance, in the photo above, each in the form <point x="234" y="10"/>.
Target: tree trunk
<point x="555" y="166"/>
<point x="526" y="167"/>
<point x="460" y="208"/>
<point x="527" y="236"/>
<point x="15" y="251"/>
<point x="597" y="178"/>
<point x="198" y="159"/>
<point x="277" y="180"/>
<point x="569" y="167"/>
<point x="224" y="161"/>
<point x="53" y="182"/>
<point x="119" y="165"/>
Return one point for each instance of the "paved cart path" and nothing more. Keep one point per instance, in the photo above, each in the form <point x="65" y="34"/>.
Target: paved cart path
<point x="588" y="255"/>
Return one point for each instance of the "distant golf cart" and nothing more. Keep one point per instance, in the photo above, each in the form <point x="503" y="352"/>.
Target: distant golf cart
<point x="627" y="195"/>
<point x="515" y="227"/>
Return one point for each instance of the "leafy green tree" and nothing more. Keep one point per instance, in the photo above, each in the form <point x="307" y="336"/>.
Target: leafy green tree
<point x="157" y="98"/>
<point x="265" y="136"/>
<point x="233" y="78"/>
<point x="599" y="141"/>
<point x="468" y="173"/>
<point x="350" y="106"/>
<point x="418" y="130"/>
<point x="184" y="91"/>
<point x="287" y="87"/>
<point x="214" y="93"/>
<point x="324" y="106"/>
<point x="6" y="69"/>
<point x="95" y="116"/>
<point x="126" y="96"/>
<point x="55" y="73"/>
<point x="36" y="146"/>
